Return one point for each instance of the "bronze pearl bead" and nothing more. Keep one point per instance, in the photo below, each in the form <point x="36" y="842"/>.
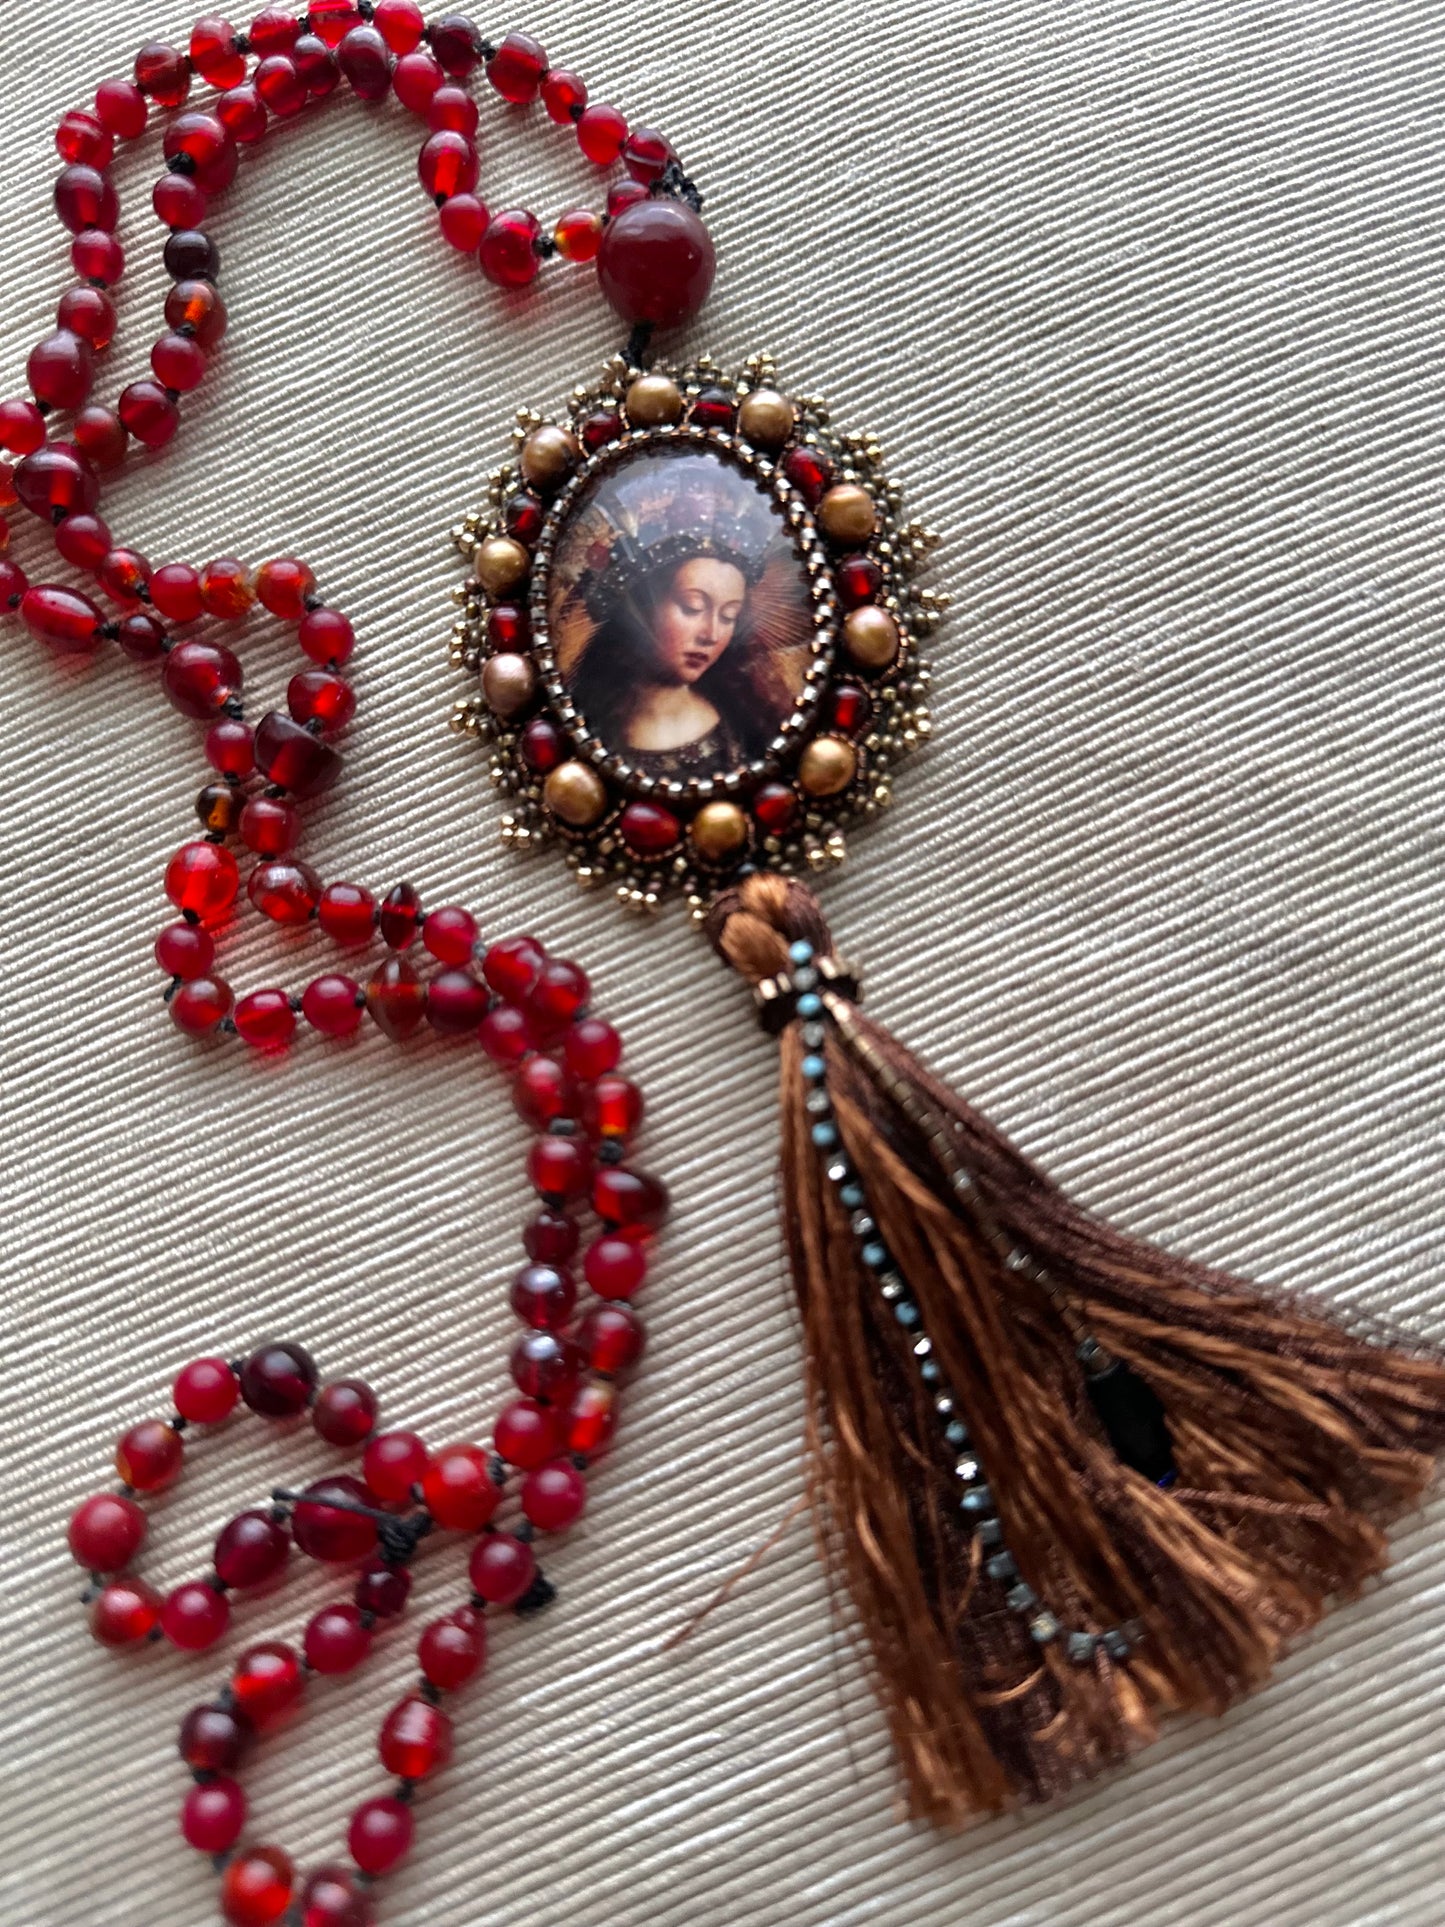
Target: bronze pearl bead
<point x="653" y="402"/>
<point x="847" y="515"/>
<point x="719" y="831"/>
<point x="509" y="682"/>
<point x="827" y="766"/>
<point x="548" y="457"/>
<point x="576" y="794"/>
<point x="501" y="565"/>
<point x="766" y="418"/>
<point x="870" y="636"/>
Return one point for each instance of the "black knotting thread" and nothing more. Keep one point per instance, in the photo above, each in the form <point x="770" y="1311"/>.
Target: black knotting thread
<point x="635" y="354"/>
<point x="537" y="1597"/>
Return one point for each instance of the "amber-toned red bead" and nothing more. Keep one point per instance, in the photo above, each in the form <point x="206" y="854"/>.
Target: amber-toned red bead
<point x="447" y="165"/>
<point x="283" y="585"/>
<point x="326" y="637"/>
<point x="392" y="1464"/>
<point x="230" y="748"/>
<point x="270" y="826"/>
<point x="206" y="1391"/>
<point x="345" y="1412"/>
<point x="57" y="481"/>
<point x="124" y="1612"/>
<point x="257" y="1887"/>
<point x="319" y="696"/>
<point x="590" y="1421"/>
<point x="554" y="1496"/>
<point x="22" y="427"/>
<point x="149" y="1455"/>
<point x="379" y="1837"/>
<point x="195" y="1616"/>
<point x="212" y="1738"/>
<point x="226" y="588"/>
<point x="631" y="1201"/>
<point x="365" y="61"/>
<point x="214" y="53"/>
<point x="543" y="1296"/>
<point x="83" y="137"/>
<point x="611" y="1338"/>
<point x="613" y="1107"/>
<point x="242" y="112"/>
<point x="502" y="1569"/>
<point x="335" y="1639"/>
<point x="106" y="1532"/>
<point x="61" y="369"/>
<point x="84" y="540"/>
<point x="560" y="993"/>
<point x="601" y="133"/>
<point x="202" y="140"/>
<point x="518" y="68"/>
<point x="526" y="1433"/>
<point x="458" y="1490"/>
<point x="456" y="1002"/>
<point x="592" y="1048"/>
<point x="415" y="80"/>
<point x="278" y="1380"/>
<point x="347" y="913"/>
<point x="265" y="1019"/>
<point x="293" y="758"/>
<point x="163" y="72"/>
<point x="267" y="1682"/>
<point x="97" y="256"/>
<point x="615" y="1267"/>
<point x="810" y="471"/>
<point x="415" y="1739"/>
<point x="280" y="86"/>
<point x="120" y="107"/>
<point x="559" y="1168"/>
<point x="213" y="1815"/>
<point x="178" y="363"/>
<point x="195" y="305"/>
<point x="123" y="574"/>
<point x="545" y="1365"/>
<point x="332" y="1005"/>
<point x="84" y="198"/>
<point x="564" y="95"/>
<point x="776" y="807"/>
<point x="578" y="234"/>
<point x="202" y="877"/>
<point x="330" y="1532"/>
<point x="179" y="202"/>
<point x="148" y="413"/>
<point x="286" y="890"/>
<point x="100" y="435"/>
<point x="396" y="998"/>
<point x="201" y="1005"/>
<point x="250" y="1549"/>
<point x="316" y="66"/>
<point x="401" y="24"/>
<point x="89" y="313"/>
<point x="453" y="110"/>
<point x="450" y="934"/>
<point x="463" y="221"/>
<point x="452" y="1651"/>
<point x="68" y="621"/>
<point x="506" y="1036"/>
<point x="201" y="678"/>
<point x="512" y="967"/>
<point x="543" y="1091"/>
<point x="400" y="916"/>
<point x="334" y="1896"/>
<point x="508" y="254"/>
<point x="184" y="950"/>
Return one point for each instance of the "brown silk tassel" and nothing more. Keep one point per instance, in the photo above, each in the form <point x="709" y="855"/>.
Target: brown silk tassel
<point x="1072" y="1482"/>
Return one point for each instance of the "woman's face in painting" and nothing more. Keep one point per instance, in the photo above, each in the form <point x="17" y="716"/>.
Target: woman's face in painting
<point x="697" y="618"/>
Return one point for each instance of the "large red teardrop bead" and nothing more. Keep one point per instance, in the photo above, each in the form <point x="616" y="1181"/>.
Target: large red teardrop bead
<point x="657" y="263"/>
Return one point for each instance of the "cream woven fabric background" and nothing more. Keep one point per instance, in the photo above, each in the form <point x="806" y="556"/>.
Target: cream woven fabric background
<point x="1144" y="298"/>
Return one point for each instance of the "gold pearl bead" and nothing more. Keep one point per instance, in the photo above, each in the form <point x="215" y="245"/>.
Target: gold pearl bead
<point x="653" y="401"/>
<point x="870" y="636"/>
<point x="548" y="457"/>
<point x="719" y="830"/>
<point x="827" y="766"/>
<point x="509" y="682"/>
<point x="766" y="418"/>
<point x="501" y="564"/>
<point x="575" y="793"/>
<point x="847" y="516"/>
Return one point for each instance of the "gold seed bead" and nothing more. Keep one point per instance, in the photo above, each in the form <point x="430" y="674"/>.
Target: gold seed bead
<point x="827" y="766"/>
<point x="847" y="515"/>
<point x="509" y="682"/>
<point x="501" y="564"/>
<point x="766" y="418"/>
<point x="719" y="830"/>
<point x="870" y="636"/>
<point x="576" y="794"/>
<point x="653" y="401"/>
<point x="548" y="457"/>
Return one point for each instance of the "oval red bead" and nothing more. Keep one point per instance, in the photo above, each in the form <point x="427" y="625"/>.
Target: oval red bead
<point x="380" y="1835"/>
<point x="336" y="1640"/>
<point x="328" y="1532"/>
<point x="149" y="1455"/>
<point x="195" y="1616"/>
<point x="611" y="1338"/>
<point x="543" y="1296"/>
<point x="502" y="1569"/>
<point x="545" y="1365"/>
<point x="456" y="1002"/>
<point x="206" y="1391"/>
<point x="257" y="1887"/>
<point x="199" y="1006"/>
<point x="365" y="60"/>
<point x="124" y="1612"/>
<point x="148" y="413"/>
<point x="332" y="1005"/>
<point x="415" y="1739"/>
<point x="334" y="1897"/>
<point x="649" y="829"/>
<point x="452" y="1651"/>
<point x="278" y="1380"/>
<point x="458" y="1490"/>
<point x="615" y="1267"/>
<point x="526" y="1433"/>
<point x="518" y="68"/>
<point x="447" y="164"/>
<point x="347" y="913"/>
<point x="212" y="1738"/>
<point x="392" y="1464"/>
<point x="85" y="198"/>
<point x="250" y="1549"/>
<point x="200" y="678"/>
<point x="265" y="1019"/>
<point x="57" y="480"/>
<point x="554" y="1496"/>
<point x="213" y="1815"/>
<point x="508" y="253"/>
<point x="345" y="1412"/>
<point x="396" y="998"/>
<point x="68" y="621"/>
<point x="202" y="877"/>
<point x="631" y="1201"/>
<point x="285" y="890"/>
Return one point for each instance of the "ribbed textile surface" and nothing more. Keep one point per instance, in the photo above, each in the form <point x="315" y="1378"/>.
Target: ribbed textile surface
<point x="1144" y="298"/>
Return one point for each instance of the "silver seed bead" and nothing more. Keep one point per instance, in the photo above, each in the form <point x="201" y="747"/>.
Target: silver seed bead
<point x="967" y="1469"/>
<point x="1021" y="1598"/>
<point x="1001" y="1566"/>
<point x="1081" y="1648"/>
<point x="1044" y="1628"/>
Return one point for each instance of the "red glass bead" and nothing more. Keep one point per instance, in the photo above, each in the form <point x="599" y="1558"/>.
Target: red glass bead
<point x="280" y="86"/>
<point x="526" y="1433"/>
<point x="647" y="154"/>
<point x="551" y="1237"/>
<point x="601" y="133"/>
<point x="257" y="1887"/>
<point x="120" y="107"/>
<point x="183" y="950"/>
<point x="592" y="1048"/>
<point x="415" y="80"/>
<point x="70" y="622"/>
<point x="214" y="53"/>
<point x="447" y="165"/>
<point x="400" y="23"/>
<point x="267" y="1682"/>
<point x="326" y="1531"/>
<point x="332" y="1005"/>
<point x="195" y="1616"/>
<point x="56" y="481"/>
<point x="776" y="807"/>
<point x="61" y="369"/>
<point x="97" y="256"/>
<point x="326" y="637"/>
<point x="83" y="137"/>
<point x="508" y="628"/>
<point x="163" y="72"/>
<point x="657" y="263"/>
<point x="365" y="60"/>
<point x="212" y="1738"/>
<point x="455" y="1002"/>
<point x="630" y="1201"/>
<point x="87" y="312"/>
<point x="810" y="471"/>
<point x="542" y="745"/>
<point x="278" y="1380"/>
<point x="250" y="1549"/>
<point x="559" y="1168"/>
<point x="543" y="1091"/>
<point x="229" y="746"/>
<point x="857" y="580"/>
<point x="457" y="1488"/>
<point x="334" y="1897"/>
<point x="22" y="427"/>
<point x="713" y="408"/>
<point x="615" y="1267"/>
<point x="613" y="1107"/>
<point x="269" y="826"/>
<point x="450" y="934"/>
<point x="590" y="1422"/>
<point x="226" y="588"/>
<point x="286" y="890"/>
<point x="199" y="1006"/>
<point x="213" y="1815"/>
<point x="12" y="585"/>
<point x="345" y="1412"/>
<point x="564" y="95"/>
<point x="453" y="110"/>
<point x="517" y="69"/>
<point x="202" y="140"/>
<point x="265" y="1019"/>
<point x="508" y="254"/>
<point x="502" y="1569"/>
<point x="178" y="363"/>
<point x="415" y="1739"/>
<point x="336" y="1640"/>
<point x="315" y="63"/>
<point x="463" y="220"/>
<point x="380" y="1834"/>
<point x="202" y="877"/>
<point x="179" y="202"/>
<point x="148" y="413"/>
<point x="392" y="1464"/>
<point x="274" y="31"/>
<point x="523" y="516"/>
<point x="578" y="235"/>
<point x="544" y="1365"/>
<point x="623" y="195"/>
<point x="195" y="305"/>
<point x="347" y="913"/>
<point x="848" y="710"/>
<point x="317" y="695"/>
<point x="506" y="1036"/>
<point x="293" y="758"/>
<point x="106" y="1532"/>
<point x="143" y="639"/>
<point x="283" y="585"/>
<point x="382" y="1589"/>
<point x="452" y="1651"/>
<point x="101" y="436"/>
<point x="148" y="1456"/>
<point x="559" y="994"/>
<point x="554" y="1496"/>
<point x="201" y="678"/>
<point x="123" y="574"/>
<point x="610" y="1338"/>
<point x="512" y="967"/>
<point x="83" y="540"/>
<point x="206" y="1391"/>
<point x="543" y="1296"/>
<point x="124" y="1612"/>
<point x="456" y="44"/>
<point x="242" y="112"/>
<point x="84" y="198"/>
<point x="332" y="20"/>
<point x="396" y="998"/>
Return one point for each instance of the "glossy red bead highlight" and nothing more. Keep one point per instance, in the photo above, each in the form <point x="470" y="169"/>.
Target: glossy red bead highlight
<point x="106" y="1532"/>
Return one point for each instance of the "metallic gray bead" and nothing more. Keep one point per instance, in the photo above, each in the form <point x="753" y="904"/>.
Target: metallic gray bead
<point x="977" y="1500"/>
<point x="1115" y="1644"/>
<point x="990" y="1532"/>
<point x="1000" y="1565"/>
<point x="891" y="1288"/>
<point x="957" y="1432"/>
<point x="922" y="1347"/>
<point x="1044" y="1628"/>
<point x="861" y="1225"/>
<point x="814" y="1036"/>
<point x="1081" y="1648"/>
<point x="817" y="1103"/>
<point x="943" y="1405"/>
<point x="805" y="979"/>
<point x="1021" y="1598"/>
<point x="838" y="1172"/>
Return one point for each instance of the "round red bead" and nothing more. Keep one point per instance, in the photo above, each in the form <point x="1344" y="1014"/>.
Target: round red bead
<point x="612" y="1107"/>
<point x="178" y="363"/>
<point x="506" y="1036"/>
<point x="592" y="1048"/>
<point x="84" y="540"/>
<point x="124" y="1612"/>
<point x="148" y="413"/>
<point x="615" y="1267"/>
<point x="84" y="137"/>
<point x="347" y="913"/>
<point x="200" y="678"/>
<point x="610" y="1338"/>
<point x="513" y="966"/>
<point x="101" y="436"/>
<point x="600" y="134"/>
<point x="278" y="1380"/>
<point x="392" y="1464"/>
<point x="285" y="890"/>
<point x="269" y="826"/>
<point x="559" y="1168"/>
<point x="657" y="263"/>
<point x="379" y="1837"/>
<point x="265" y="1018"/>
<point x="89" y="313"/>
<point x="57" y="481"/>
<point x="267" y="1682"/>
<point x="230" y="748"/>
<point x="560" y="993"/>
<point x="163" y="72"/>
<point x="415" y="80"/>
<point x="176" y="592"/>
<point x="578" y="234"/>
<point x="320" y="696"/>
<point x="396" y="998"/>
<point x="502" y="1569"/>
<point x="345" y="1412"/>
<point x="564" y="95"/>
<point x="631" y="1201"/>
<point x="242" y="112"/>
<point x="123" y="575"/>
<point x="183" y="950"/>
<point x="365" y="60"/>
<point x="415" y="1739"/>
<point x="85" y="198"/>
<point x="336" y="1639"/>
<point x="456" y="1002"/>
<point x="382" y="1589"/>
<point x="22" y="427"/>
<point x="206" y="1391"/>
<point x="400" y="23"/>
<point x="195" y="1616"/>
<point x="195" y="305"/>
<point x="61" y="369"/>
<point x="250" y="1549"/>
<point x="282" y="587"/>
<point x="202" y="877"/>
<point x="213" y="1815"/>
<point x="328" y="1532"/>
<point x="179" y="202"/>
<point x="526" y="1433"/>
<point x="463" y="221"/>
<point x="326" y="637"/>
<point x="257" y="1887"/>
<point x="334" y="1897"/>
<point x="212" y="1738"/>
<point x="554" y="1496"/>
<point x="647" y="154"/>
<point x="450" y="934"/>
<point x="453" y="1650"/>
<point x="202" y="140"/>
<point x="106" y="1532"/>
<point x="457" y="1488"/>
<point x="280" y="86"/>
<point x="452" y="109"/>
<point x="517" y="69"/>
<point x="543" y="1090"/>
<point x="545" y="1365"/>
<point x="199" y="1006"/>
<point x="332" y="1005"/>
<point x="120" y="107"/>
<point x="508" y="253"/>
<point x="149" y="1455"/>
<point x="624" y="194"/>
<point x="447" y="164"/>
<point x="810" y="471"/>
<point x="141" y="637"/>
<point x="543" y="1296"/>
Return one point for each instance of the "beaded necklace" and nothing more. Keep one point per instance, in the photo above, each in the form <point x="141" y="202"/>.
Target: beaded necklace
<point x="1071" y="1482"/>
